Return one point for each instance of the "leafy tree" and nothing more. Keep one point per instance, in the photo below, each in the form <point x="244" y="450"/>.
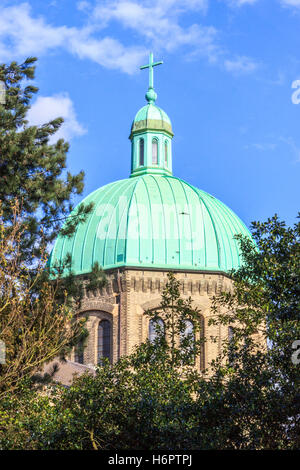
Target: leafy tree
<point x="145" y="401"/>
<point x="178" y="327"/>
<point x="120" y="408"/>
<point x="36" y="325"/>
<point x="35" y="197"/>
<point x="140" y="402"/>
<point x="32" y="170"/>
<point x="254" y="400"/>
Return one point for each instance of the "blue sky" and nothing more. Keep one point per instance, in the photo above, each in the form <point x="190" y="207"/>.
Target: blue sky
<point x="228" y="83"/>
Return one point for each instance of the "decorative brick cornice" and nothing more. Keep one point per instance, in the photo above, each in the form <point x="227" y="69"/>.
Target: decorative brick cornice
<point x="124" y="281"/>
<point x="210" y="284"/>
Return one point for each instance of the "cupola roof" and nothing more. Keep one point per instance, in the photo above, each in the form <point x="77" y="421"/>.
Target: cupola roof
<point x="153" y="118"/>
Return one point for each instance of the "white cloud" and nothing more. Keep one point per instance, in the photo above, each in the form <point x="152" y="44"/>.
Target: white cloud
<point x="279" y="80"/>
<point x="240" y="65"/>
<point x="158" y="22"/>
<point x="284" y="3"/>
<point x="240" y="3"/>
<point x="155" y="24"/>
<point x="22" y="34"/>
<point x="108" y="52"/>
<point x="263" y="146"/>
<point x="47" y="108"/>
<point x="291" y="3"/>
<point x="83" y="5"/>
<point x="295" y="149"/>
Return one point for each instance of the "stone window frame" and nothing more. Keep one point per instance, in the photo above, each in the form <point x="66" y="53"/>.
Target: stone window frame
<point x="94" y="316"/>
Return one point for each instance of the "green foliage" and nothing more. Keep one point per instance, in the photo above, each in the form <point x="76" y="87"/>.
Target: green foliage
<point x="260" y="383"/>
<point x="140" y="402"/>
<point x="179" y="345"/>
<point x="37" y="310"/>
<point x="97" y="279"/>
<point x="119" y="408"/>
<point x="32" y="170"/>
<point x="145" y="401"/>
<point x="37" y="322"/>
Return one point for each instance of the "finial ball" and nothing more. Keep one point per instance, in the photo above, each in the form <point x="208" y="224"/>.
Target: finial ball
<point x="151" y="96"/>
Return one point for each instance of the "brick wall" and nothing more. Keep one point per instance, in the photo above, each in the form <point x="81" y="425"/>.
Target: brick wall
<point x="129" y="292"/>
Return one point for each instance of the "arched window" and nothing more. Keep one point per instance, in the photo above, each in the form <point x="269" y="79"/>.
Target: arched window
<point x="231" y="345"/>
<point x="202" y="346"/>
<point x="187" y="341"/>
<point x="166" y="153"/>
<point x="79" y="352"/>
<point x="141" y="151"/>
<point x="104" y="341"/>
<point x="154" y="152"/>
<point x="187" y="336"/>
<point x="156" y="327"/>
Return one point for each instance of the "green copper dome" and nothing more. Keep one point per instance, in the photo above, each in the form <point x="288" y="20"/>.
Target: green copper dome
<point x="153" y="221"/>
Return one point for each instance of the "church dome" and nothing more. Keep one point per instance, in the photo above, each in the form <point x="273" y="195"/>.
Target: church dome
<point x="153" y="221"/>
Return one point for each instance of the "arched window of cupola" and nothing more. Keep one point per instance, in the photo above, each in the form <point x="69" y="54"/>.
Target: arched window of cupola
<point x="156" y="328"/>
<point x="141" y="151"/>
<point x="104" y="341"/>
<point x="166" y="153"/>
<point x="154" y="151"/>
